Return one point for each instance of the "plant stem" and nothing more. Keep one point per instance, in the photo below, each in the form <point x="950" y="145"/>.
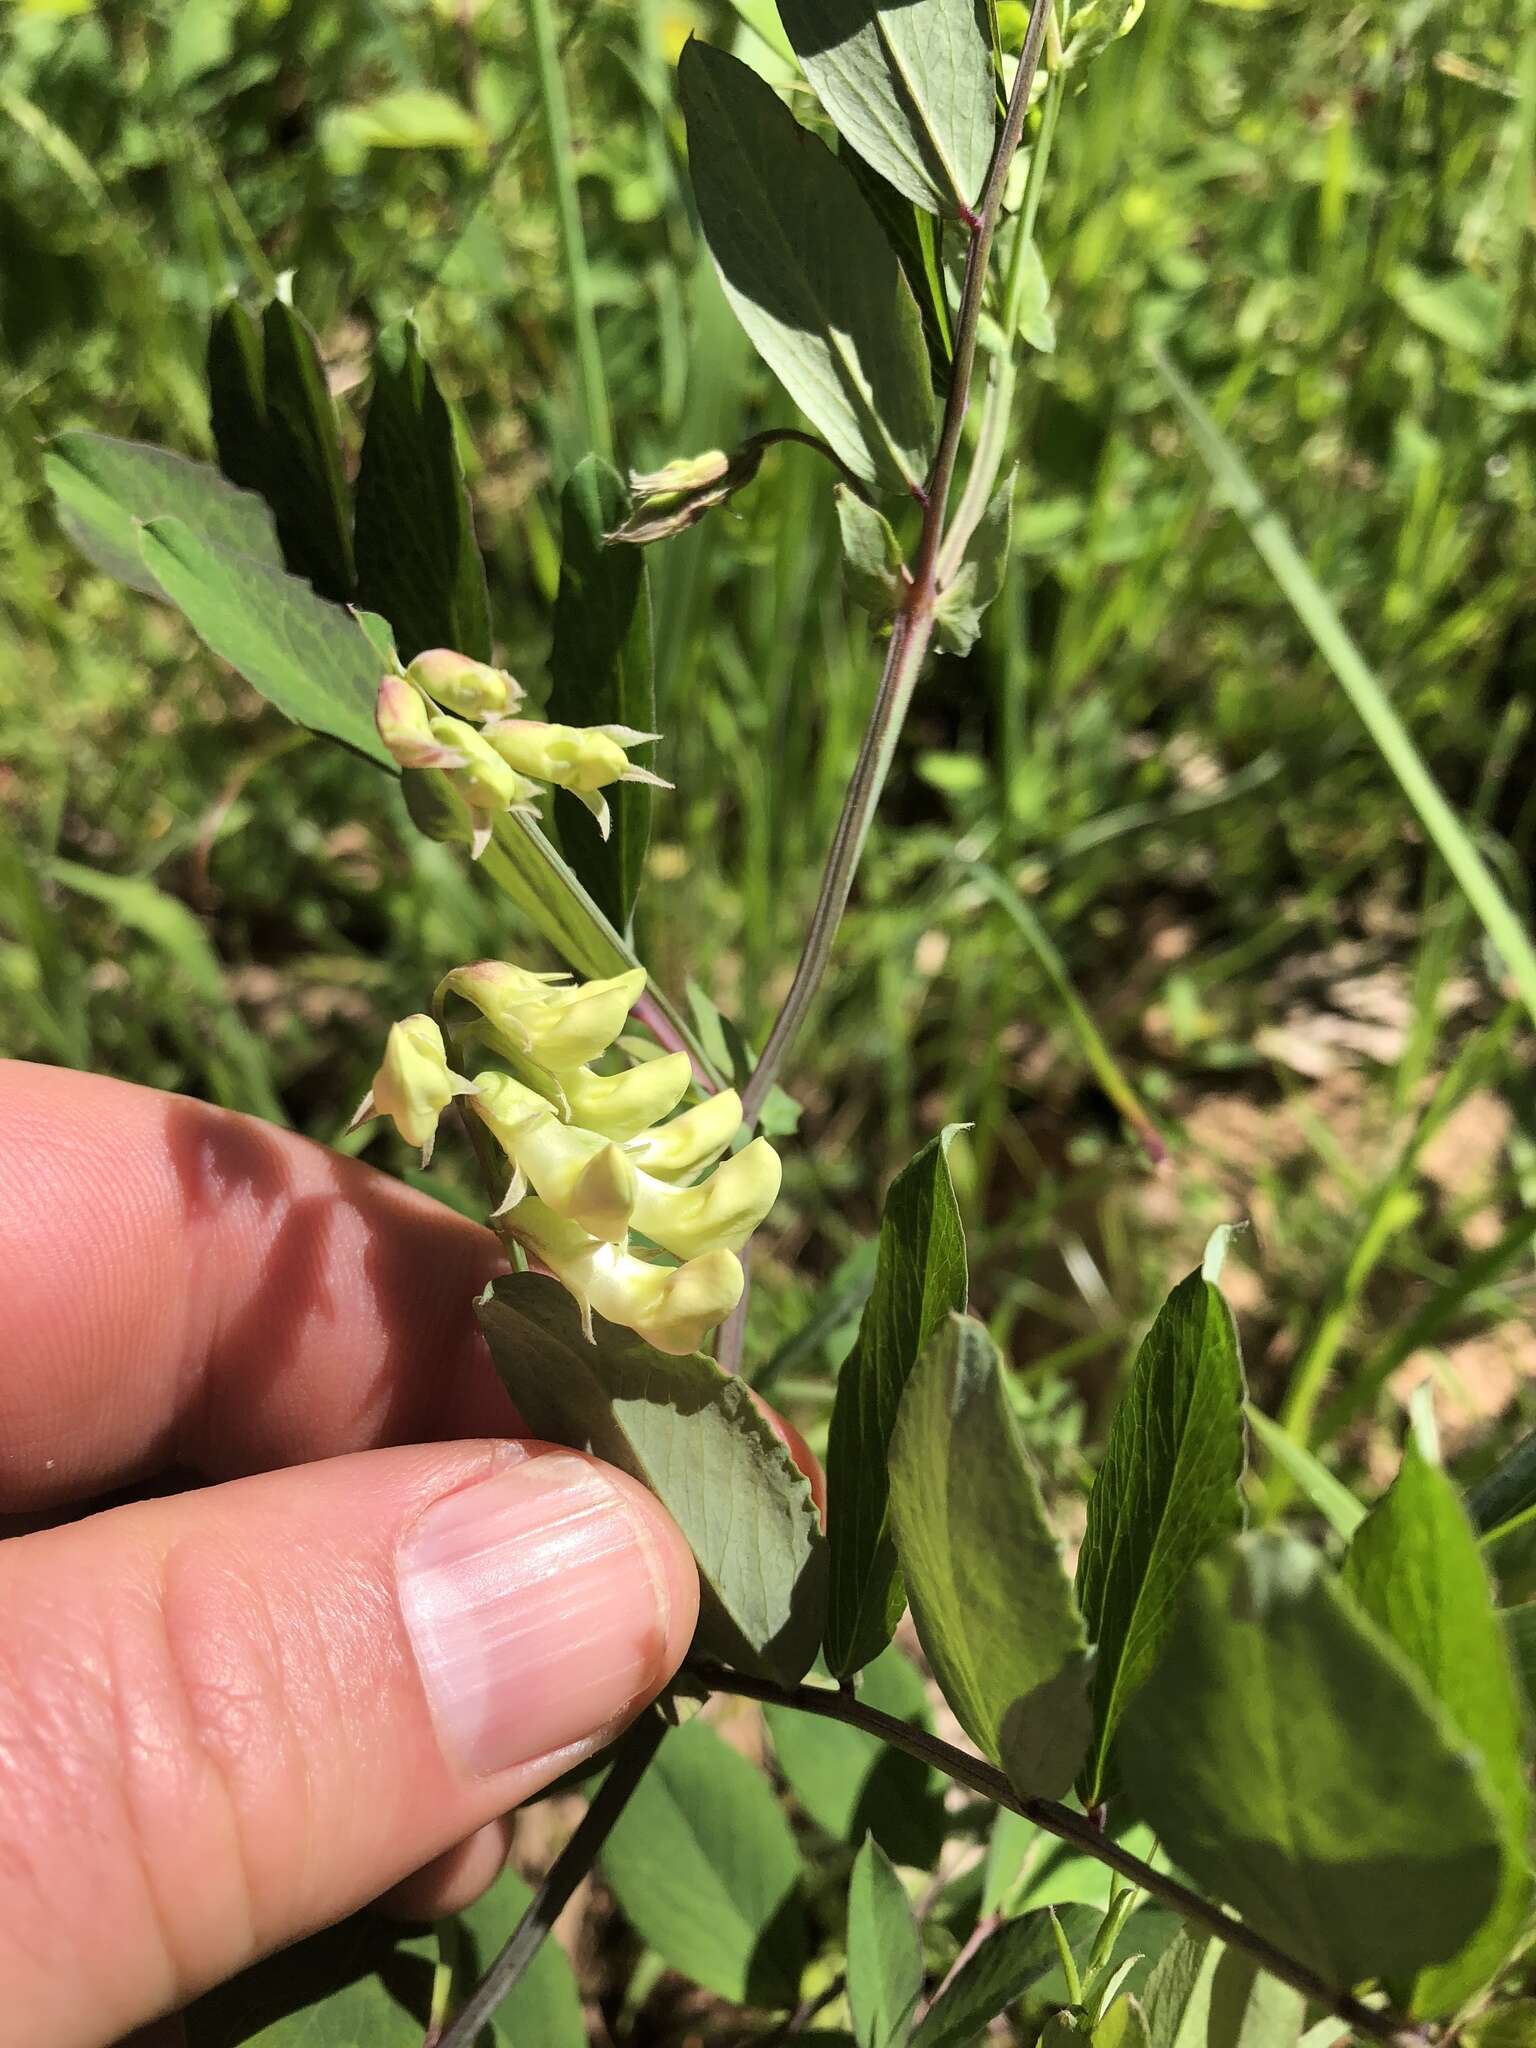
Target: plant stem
<point x="1067" y="1826"/>
<point x="630" y="1759"/>
<point x="573" y="248"/>
<point x="913" y="627"/>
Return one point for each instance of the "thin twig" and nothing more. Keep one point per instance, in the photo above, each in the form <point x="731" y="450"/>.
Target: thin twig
<point x="630" y="1759"/>
<point x="1067" y="1826"/>
<point x="913" y="627"/>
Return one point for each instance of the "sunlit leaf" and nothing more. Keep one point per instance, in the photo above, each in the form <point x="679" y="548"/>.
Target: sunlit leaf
<point x="993" y="1606"/>
<point x="808" y="271"/>
<point x="885" y="1953"/>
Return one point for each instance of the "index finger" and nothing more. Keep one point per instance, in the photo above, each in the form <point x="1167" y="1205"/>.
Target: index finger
<point x="187" y="1286"/>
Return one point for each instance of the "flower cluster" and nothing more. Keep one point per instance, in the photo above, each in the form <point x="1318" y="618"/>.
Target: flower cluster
<point x="596" y="1160"/>
<point x="498" y="763"/>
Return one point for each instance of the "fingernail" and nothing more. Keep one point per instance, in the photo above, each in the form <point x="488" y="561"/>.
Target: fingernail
<point x="536" y="1608"/>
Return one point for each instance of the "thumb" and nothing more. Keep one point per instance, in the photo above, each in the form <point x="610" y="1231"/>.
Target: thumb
<point x="231" y="1717"/>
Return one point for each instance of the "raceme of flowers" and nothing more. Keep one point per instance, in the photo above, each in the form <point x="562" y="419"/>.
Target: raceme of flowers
<point x="603" y="1179"/>
<point x="497" y="763"/>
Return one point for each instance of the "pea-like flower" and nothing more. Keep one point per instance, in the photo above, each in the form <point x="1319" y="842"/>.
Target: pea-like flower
<point x="414" y="1083"/>
<point x="602" y="1188"/>
<point x="546" y="1018"/>
<point x="584" y="759"/>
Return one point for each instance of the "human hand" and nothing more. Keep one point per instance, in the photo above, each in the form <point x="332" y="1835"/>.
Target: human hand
<point x="232" y="1715"/>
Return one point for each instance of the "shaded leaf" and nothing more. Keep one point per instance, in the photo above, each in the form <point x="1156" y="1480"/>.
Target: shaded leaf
<point x="105" y="488"/>
<point x="543" y="2010"/>
<point x="917" y="236"/>
<point x="1166" y="1490"/>
<point x="808" y="271"/>
<point x="1013" y="1957"/>
<point x="852" y="1784"/>
<point x="978" y="580"/>
<point x="872" y="558"/>
<point x="275" y="426"/>
<point x="1507" y="1493"/>
<point x="418" y="564"/>
<point x="920" y="1276"/>
<point x="703" y="1864"/>
<point x="362" y="1984"/>
<point x="309" y="658"/>
<point x="1201" y="1994"/>
<point x="600" y="668"/>
<point x="993" y="1606"/>
<point x="909" y="84"/>
<point x="885" y="1952"/>
<point x="1415" y="1569"/>
<point x="693" y="1435"/>
<point x="1293" y="1765"/>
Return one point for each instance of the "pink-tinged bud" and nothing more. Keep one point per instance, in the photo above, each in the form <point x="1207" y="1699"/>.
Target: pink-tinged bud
<point x="404" y="720"/>
<point x="473" y="689"/>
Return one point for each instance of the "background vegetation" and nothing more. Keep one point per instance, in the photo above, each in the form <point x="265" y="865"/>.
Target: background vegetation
<point x="1325" y="210"/>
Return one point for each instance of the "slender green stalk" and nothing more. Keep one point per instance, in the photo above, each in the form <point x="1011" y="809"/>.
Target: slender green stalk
<point x="1003" y="379"/>
<point x="913" y="627"/>
<point x="597" y="417"/>
<point x="1101" y="1061"/>
<point x="630" y="1760"/>
<point x="1067" y="1825"/>
<point x="1315" y="609"/>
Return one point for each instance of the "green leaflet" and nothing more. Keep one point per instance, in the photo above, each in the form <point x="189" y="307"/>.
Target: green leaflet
<point x="601" y="673"/>
<point x="852" y="1784"/>
<point x="1012" y="1958"/>
<point x="418" y="563"/>
<point x="885" y="1952"/>
<point x="1201" y="1994"/>
<point x="909" y="84"/>
<point x="1333" y="1501"/>
<point x="104" y="488"/>
<point x="920" y="1277"/>
<point x="1415" y="1568"/>
<point x="810" y="275"/>
<point x="872" y="559"/>
<point x="1167" y="1489"/>
<point x="703" y="1863"/>
<point x="692" y="1434"/>
<point x="993" y="1607"/>
<point x="306" y="656"/>
<point x="1293" y="1765"/>
<point x="979" y="579"/>
<point x="544" y="2009"/>
<point x="275" y="425"/>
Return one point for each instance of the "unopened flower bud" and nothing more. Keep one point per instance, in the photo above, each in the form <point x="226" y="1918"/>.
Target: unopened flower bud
<point x="414" y="1084"/>
<point x="404" y="720"/>
<point x="621" y="1106"/>
<point x="720" y="1214"/>
<point x="683" y="473"/>
<point x="471" y="688"/>
<point x="671" y="499"/>
<point x="676" y="1150"/>
<point x="559" y="1027"/>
